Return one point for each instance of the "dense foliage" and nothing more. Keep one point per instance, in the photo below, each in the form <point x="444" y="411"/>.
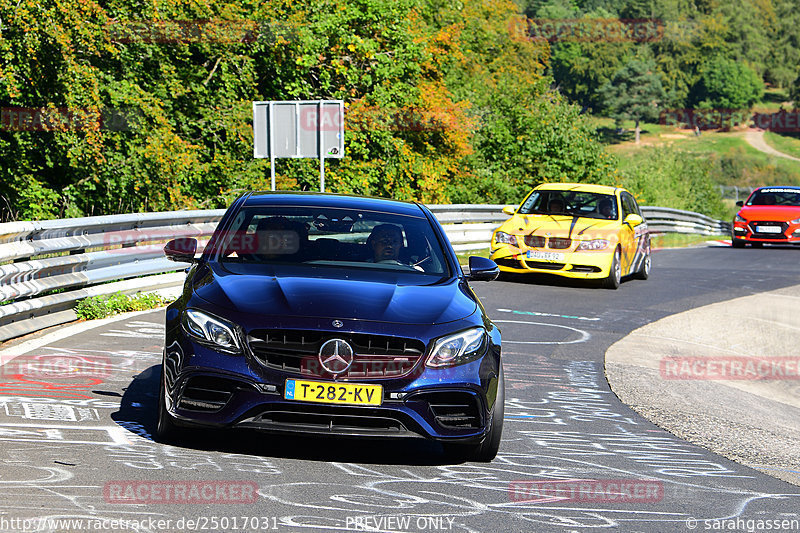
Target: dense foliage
<point x="651" y="175"/>
<point x="697" y="41"/>
<point x="117" y="106"/>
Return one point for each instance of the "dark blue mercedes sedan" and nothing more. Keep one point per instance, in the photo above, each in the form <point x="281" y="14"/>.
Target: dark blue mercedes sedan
<point x="332" y="314"/>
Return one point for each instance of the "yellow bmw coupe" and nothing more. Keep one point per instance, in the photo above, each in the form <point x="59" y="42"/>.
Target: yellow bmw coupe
<point x="576" y="231"/>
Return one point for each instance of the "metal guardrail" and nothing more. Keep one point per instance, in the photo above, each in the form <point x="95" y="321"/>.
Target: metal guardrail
<point x="47" y="266"/>
<point x="668" y="220"/>
<point x="734" y="192"/>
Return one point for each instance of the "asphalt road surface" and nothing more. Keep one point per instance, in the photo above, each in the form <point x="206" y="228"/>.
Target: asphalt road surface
<point x="573" y="457"/>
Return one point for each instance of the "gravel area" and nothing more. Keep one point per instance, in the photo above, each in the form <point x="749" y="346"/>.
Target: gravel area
<point x="755" y="422"/>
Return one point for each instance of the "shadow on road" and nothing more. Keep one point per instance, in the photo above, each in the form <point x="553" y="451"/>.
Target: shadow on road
<point x="139" y="407"/>
<point x="554" y="280"/>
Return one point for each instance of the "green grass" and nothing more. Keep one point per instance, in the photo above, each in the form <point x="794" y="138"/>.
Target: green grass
<point x="463" y="257"/>
<point x="772" y="101"/>
<point x="607" y="131"/>
<point x="682" y="240"/>
<point x="112" y="304"/>
<point x="788" y="143"/>
<point x="741" y="164"/>
<point x="719" y="142"/>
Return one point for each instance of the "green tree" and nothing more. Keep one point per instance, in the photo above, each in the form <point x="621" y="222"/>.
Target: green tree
<point x="651" y="175"/>
<point x="727" y="84"/>
<point x="783" y="64"/>
<point x="794" y="92"/>
<point x="524" y="132"/>
<point x="443" y="102"/>
<point x="634" y="93"/>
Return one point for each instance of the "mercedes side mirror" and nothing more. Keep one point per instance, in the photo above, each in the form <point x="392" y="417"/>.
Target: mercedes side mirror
<point x="181" y="250"/>
<point x="482" y="269"/>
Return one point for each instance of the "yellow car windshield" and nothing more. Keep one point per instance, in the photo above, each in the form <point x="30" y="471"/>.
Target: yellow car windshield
<point x="571" y="203"/>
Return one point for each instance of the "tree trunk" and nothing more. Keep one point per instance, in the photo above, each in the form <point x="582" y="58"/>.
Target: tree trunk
<point x="637" y="131"/>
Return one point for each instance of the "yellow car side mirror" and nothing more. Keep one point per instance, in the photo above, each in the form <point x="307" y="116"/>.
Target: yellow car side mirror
<point x="633" y="219"/>
<point x="508" y="210"/>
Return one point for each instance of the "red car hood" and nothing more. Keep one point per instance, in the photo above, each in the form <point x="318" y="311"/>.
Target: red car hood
<point x="770" y="212"/>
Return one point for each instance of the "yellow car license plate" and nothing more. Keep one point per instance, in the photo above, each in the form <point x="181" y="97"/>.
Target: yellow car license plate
<point x="546" y="256"/>
<point x="329" y="392"/>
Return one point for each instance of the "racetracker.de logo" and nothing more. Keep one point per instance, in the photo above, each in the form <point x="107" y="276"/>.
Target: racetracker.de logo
<point x="730" y="368"/>
<point x="45" y="119"/>
<point x="587" y="30"/>
<point x="59" y="366"/>
<point x="782" y="121"/>
<point x="587" y="490"/>
<point x="180" y="492"/>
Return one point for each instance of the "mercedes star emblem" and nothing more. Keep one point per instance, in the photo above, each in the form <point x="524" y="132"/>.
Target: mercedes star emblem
<point x="336" y="356"/>
<point x="337" y="323"/>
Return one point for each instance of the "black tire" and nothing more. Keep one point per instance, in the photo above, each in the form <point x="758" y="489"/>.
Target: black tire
<point x="644" y="270"/>
<point x="166" y="430"/>
<point x="736" y="243"/>
<point x="487" y="450"/>
<point x="615" y="274"/>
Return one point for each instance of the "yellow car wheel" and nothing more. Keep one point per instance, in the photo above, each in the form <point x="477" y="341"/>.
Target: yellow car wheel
<point x="615" y="274"/>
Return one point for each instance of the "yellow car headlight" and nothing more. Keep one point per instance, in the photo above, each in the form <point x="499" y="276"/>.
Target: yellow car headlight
<point x="502" y="237"/>
<point x="593" y="245"/>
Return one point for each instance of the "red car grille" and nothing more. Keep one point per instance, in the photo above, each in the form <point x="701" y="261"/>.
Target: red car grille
<point x="756" y="229"/>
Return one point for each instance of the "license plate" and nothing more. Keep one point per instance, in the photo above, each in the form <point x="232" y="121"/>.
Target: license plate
<point x="769" y="229"/>
<point x="547" y="256"/>
<point x="328" y="392"/>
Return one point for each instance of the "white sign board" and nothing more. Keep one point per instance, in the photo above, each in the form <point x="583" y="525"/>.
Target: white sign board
<point x="303" y="128"/>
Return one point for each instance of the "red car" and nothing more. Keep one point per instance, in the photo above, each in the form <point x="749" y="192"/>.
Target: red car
<point x="770" y="215"/>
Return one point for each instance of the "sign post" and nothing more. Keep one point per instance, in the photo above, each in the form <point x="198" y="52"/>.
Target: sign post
<point x="297" y="129"/>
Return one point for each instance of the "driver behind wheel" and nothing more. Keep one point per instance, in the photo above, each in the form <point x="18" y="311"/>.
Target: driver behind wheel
<point x="385" y="241"/>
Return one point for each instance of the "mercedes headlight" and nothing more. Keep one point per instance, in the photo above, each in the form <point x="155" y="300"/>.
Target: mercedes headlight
<point x="795" y="221"/>
<point x="502" y="237"/>
<point x="211" y="330"/>
<point x="740" y="218"/>
<point x="457" y="349"/>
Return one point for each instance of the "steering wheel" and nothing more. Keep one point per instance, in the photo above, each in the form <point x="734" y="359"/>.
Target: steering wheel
<point x="418" y="264"/>
<point x="398" y="263"/>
